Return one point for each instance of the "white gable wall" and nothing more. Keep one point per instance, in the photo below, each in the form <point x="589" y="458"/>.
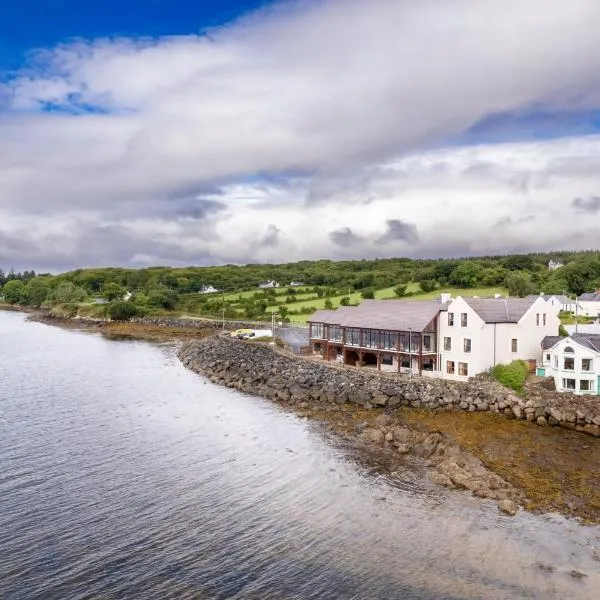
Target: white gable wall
<point x="589" y="309"/>
<point x="491" y="343"/>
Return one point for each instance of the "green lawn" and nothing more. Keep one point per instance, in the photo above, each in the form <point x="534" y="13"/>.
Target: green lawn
<point x="387" y="293"/>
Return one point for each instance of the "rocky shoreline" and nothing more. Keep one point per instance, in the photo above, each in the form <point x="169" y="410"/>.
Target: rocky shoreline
<point x="351" y="405"/>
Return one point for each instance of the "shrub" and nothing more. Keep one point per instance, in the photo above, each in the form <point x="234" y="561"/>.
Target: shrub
<point x="368" y="294"/>
<point x="512" y="375"/>
<point x="122" y="311"/>
<point x="427" y="285"/>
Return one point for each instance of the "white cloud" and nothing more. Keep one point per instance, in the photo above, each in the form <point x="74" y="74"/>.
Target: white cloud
<point x="110" y="138"/>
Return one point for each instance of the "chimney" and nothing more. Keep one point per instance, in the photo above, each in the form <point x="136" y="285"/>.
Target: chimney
<point x="446" y="297"/>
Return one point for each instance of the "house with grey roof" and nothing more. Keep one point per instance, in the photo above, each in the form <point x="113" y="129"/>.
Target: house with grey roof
<point x="590" y="304"/>
<point x="560" y="302"/>
<point x="453" y="339"/>
<point x="478" y="333"/>
<point x="389" y="335"/>
<point x="573" y="362"/>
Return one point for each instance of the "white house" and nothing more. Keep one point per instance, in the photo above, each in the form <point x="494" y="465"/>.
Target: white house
<point x="573" y="362"/>
<point x="560" y="302"/>
<point x="554" y="264"/>
<point x="296" y="284"/>
<point x="208" y="289"/>
<point x="589" y="304"/>
<point x="476" y="334"/>
<point x="263" y="285"/>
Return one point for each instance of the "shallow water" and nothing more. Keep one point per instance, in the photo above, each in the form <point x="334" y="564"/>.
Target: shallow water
<point x="123" y="475"/>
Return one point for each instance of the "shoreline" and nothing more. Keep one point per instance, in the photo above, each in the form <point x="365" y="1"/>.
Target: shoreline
<point x="543" y="469"/>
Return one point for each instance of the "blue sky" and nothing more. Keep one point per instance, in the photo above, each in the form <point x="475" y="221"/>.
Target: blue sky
<point x="316" y="129"/>
<point x="29" y="24"/>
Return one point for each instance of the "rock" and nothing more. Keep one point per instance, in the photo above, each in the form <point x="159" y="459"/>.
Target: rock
<point x="403" y="448"/>
<point x="373" y="436"/>
<point x="508" y="507"/>
<point x="439" y="478"/>
<point x="541" y="421"/>
<point x="382" y="420"/>
<point x="577" y="574"/>
<point x="380" y="400"/>
<point x="389" y="436"/>
<point x="401" y="434"/>
<point x="517" y="411"/>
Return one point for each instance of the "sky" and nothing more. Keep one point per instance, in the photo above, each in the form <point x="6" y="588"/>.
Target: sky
<point x="183" y="132"/>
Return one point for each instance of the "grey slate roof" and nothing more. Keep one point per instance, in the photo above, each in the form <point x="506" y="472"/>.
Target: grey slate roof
<point x="330" y="317"/>
<point x="392" y="315"/>
<point x="560" y="297"/>
<point x="500" y="310"/>
<point x="591" y="296"/>
<point x="591" y="341"/>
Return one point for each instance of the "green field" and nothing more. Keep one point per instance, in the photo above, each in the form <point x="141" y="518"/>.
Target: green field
<point x="387" y="293"/>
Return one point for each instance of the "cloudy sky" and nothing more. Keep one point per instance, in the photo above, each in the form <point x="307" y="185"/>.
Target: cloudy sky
<point x="173" y="132"/>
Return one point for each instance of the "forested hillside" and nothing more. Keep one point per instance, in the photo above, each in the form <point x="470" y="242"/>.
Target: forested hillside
<point x="121" y="292"/>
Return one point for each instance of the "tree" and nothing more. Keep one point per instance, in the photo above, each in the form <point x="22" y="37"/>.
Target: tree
<point x="345" y="301"/>
<point x="519" y="284"/>
<point x="368" y="294"/>
<point x="13" y="291"/>
<point x="113" y="291"/>
<point x="401" y="290"/>
<point x="66" y="293"/>
<point x="36" y="291"/>
<point x="328" y="304"/>
<point x="466" y="274"/>
<point x="121" y="311"/>
<point x="427" y="285"/>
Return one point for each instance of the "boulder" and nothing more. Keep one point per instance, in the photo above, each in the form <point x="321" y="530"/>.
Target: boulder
<point x="508" y="507"/>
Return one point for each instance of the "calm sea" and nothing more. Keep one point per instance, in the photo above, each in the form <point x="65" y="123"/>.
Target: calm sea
<point x="124" y="476"/>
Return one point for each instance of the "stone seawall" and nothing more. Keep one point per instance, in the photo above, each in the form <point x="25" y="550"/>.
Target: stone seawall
<point x="260" y="370"/>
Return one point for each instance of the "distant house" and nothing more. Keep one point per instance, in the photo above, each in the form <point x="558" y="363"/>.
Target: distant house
<point x="559" y="302"/>
<point x="296" y="284"/>
<point x="208" y="289"/>
<point x="590" y="304"/>
<point x="263" y="285"/>
<point x="573" y="362"/>
<point x="127" y="296"/>
<point x="554" y="264"/>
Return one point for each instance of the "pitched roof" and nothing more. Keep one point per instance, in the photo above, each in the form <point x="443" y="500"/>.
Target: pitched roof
<point x="560" y="297"/>
<point x="500" y="310"/>
<point x="391" y="315"/>
<point x="591" y="296"/>
<point x="591" y="341"/>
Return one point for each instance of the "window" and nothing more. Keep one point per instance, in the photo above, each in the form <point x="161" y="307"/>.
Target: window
<point x="387" y="359"/>
<point x="450" y="319"/>
<point x="514" y="345"/>
<point x="568" y="384"/>
<point x="390" y="340"/>
<point x="447" y="344"/>
<point x="405" y="363"/>
<point x="467" y="345"/>
<point x="463" y="319"/>
<point x="544" y="319"/>
<point x="316" y="330"/>
<point x="586" y="385"/>
<point x="370" y="338"/>
<point x="569" y="364"/>
<point x="427" y="343"/>
<point x="586" y="364"/>
<point x="569" y="350"/>
<point x="463" y="369"/>
<point x="556" y="361"/>
<point x="547" y="358"/>
<point x="353" y="336"/>
<point x="335" y="333"/>
<point x="537" y="319"/>
<point x="450" y="367"/>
